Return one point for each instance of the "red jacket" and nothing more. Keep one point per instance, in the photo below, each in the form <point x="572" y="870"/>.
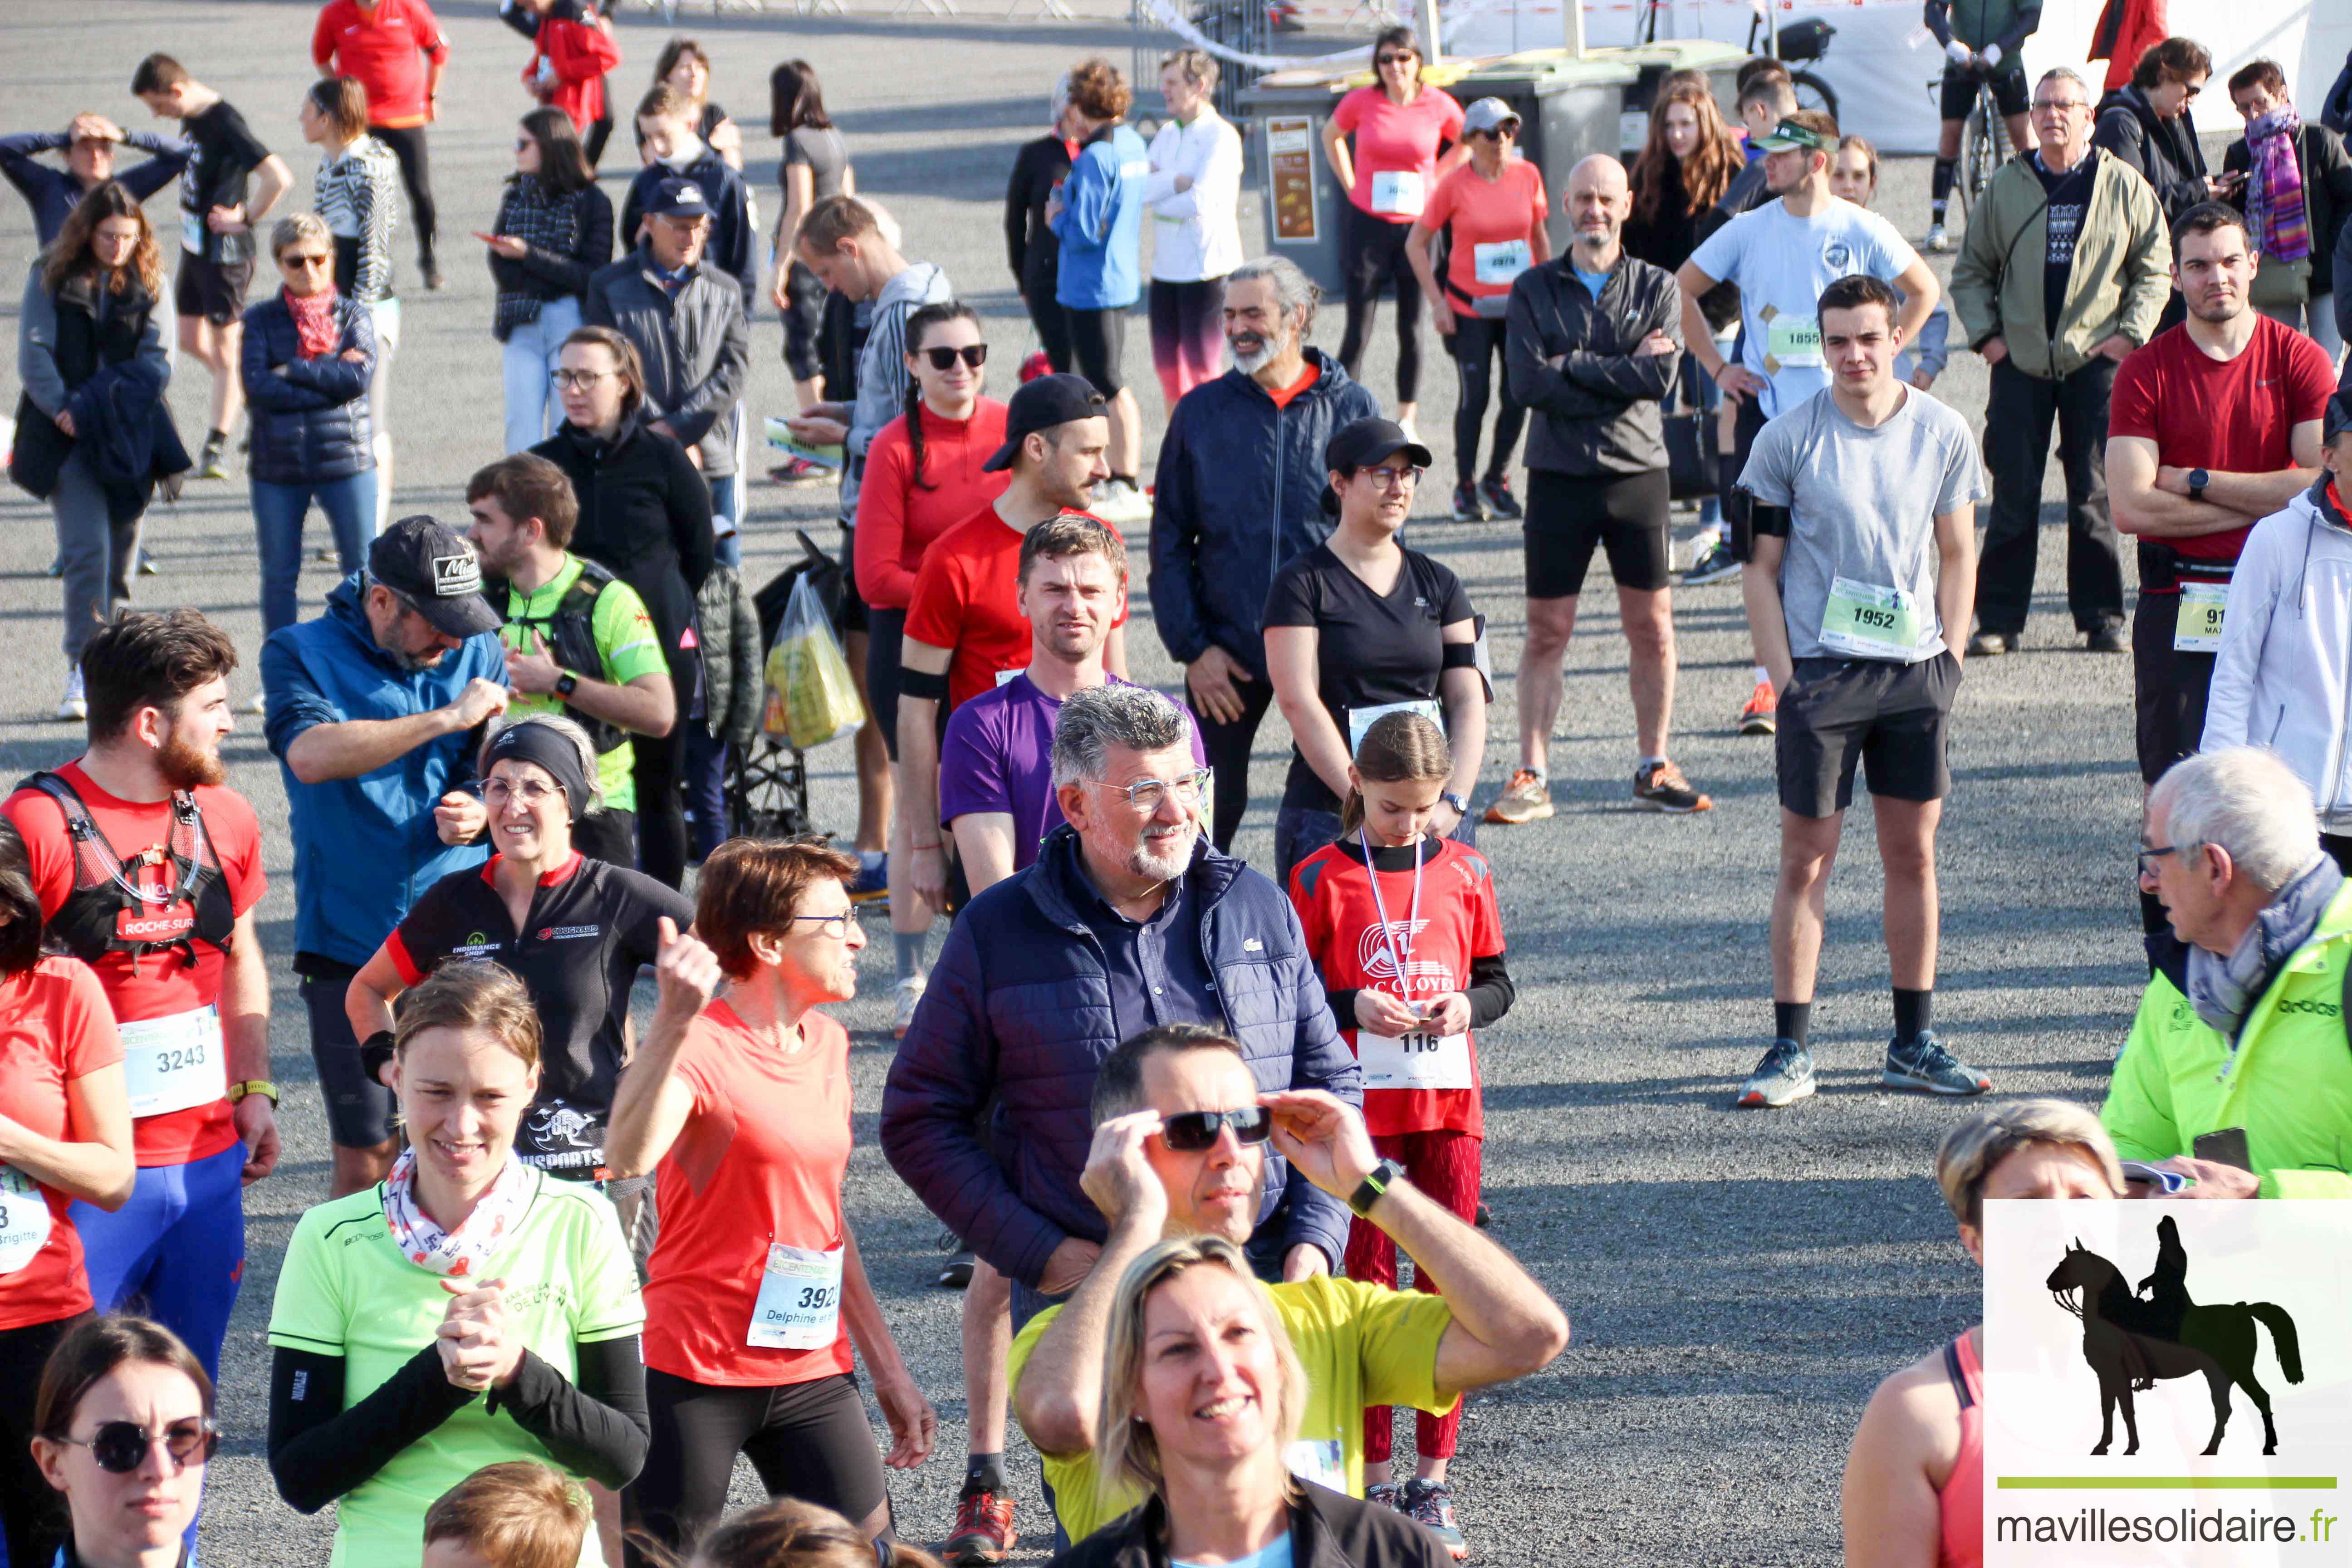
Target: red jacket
<point x="385" y="50"/>
<point x="2127" y="29"/>
<point x="576" y="57"/>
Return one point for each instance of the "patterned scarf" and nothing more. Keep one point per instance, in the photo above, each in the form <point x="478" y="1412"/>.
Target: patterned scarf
<point x="463" y="1253"/>
<point x="314" y="323"/>
<point x="2275" y="194"/>
<point x="2223" y="989"/>
<point x="544" y="221"/>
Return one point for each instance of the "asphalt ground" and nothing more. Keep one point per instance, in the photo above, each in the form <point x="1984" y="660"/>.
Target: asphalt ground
<point x="1737" y="1281"/>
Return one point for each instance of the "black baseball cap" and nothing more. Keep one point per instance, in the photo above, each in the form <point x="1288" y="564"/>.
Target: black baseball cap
<point x="1364" y="443"/>
<point x="1041" y="404"/>
<point x="435" y="572"/>
<point x="2339" y="415"/>
<point x="678" y="198"/>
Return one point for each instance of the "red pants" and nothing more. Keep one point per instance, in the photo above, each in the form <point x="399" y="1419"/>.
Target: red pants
<point x="1445" y="1166"/>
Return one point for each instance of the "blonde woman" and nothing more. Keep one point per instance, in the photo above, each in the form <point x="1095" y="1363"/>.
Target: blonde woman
<point x="1192" y="1331"/>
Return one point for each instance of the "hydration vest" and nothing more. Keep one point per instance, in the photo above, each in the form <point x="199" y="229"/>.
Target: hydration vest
<point x="572" y="628"/>
<point x="108" y="912"/>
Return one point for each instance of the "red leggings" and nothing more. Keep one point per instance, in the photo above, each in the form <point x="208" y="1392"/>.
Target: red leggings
<point x="1445" y="1166"/>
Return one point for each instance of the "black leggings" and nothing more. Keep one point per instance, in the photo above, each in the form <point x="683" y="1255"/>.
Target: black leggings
<point x="33" y="1517"/>
<point x="1053" y="323"/>
<point x="1228" y="749"/>
<point x="1372" y="255"/>
<point x="807" y="1440"/>
<point x="407" y="144"/>
<point x="1476" y="344"/>
<point x="659" y="770"/>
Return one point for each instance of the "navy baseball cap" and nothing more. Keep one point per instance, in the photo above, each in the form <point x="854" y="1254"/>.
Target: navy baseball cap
<point x="2339" y="415"/>
<point x="435" y="572"/>
<point x="1364" y="443"/>
<point x="679" y="198"/>
<point x="1041" y="404"/>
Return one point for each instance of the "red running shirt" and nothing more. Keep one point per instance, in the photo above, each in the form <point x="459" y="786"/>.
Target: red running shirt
<point x="760" y="1161"/>
<point x="161" y="983"/>
<point x="385" y="49"/>
<point x="1392" y="139"/>
<point x="898" y="518"/>
<point x="1332" y="890"/>
<point x="55" y="1028"/>
<point x="968" y="600"/>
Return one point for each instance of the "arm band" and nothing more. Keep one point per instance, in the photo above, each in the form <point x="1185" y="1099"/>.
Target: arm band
<point x="923" y="684"/>
<point x="1460" y="656"/>
<point x="1771" y="520"/>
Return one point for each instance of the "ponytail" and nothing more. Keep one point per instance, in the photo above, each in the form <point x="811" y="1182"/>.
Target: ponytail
<point x="1399" y="748"/>
<point x="915" y="432"/>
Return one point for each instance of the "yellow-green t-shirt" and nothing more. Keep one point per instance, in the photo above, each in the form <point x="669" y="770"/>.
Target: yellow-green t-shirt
<point x="1361" y="1345"/>
<point x="347" y="1291"/>
<point x="626" y="641"/>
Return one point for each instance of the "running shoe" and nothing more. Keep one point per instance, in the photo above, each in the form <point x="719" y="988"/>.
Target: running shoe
<point x="256" y="703"/>
<point x="1936" y="240"/>
<point x="1495" y="490"/>
<point x="873" y="879"/>
<point x="801" y="471"/>
<point x="984" y="1529"/>
<point x="2106" y="639"/>
<point x="73" y="704"/>
<point x="907" y="992"/>
<point x="1431" y="1503"/>
<point x="955" y="1274"/>
<point x="1385" y="1494"/>
<point x="1991" y="645"/>
<point x="1662" y="787"/>
<point x="1486" y="1217"/>
<point x="1037" y="366"/>
<point x="1713" y="565"/>
<point x="1525" y="799"/>
<point x="1921" y="1062"/>
<point x="1467" y="508"/>
<point x="209" y="465"/>
<point x="432" y="275"/>
<point x="147" y="567"/>
<point x="1757" y="716"/>
<point x="57" y="567"/>
<point x="1119" y="501"/>
<point x="1782" y="1077"/>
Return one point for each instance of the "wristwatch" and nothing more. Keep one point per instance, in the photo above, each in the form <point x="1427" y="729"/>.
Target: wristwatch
<point x="260" y="1086"/>
<point x="1461" y="806"/>
<point x="2198" y="479"/>
<point x="566" y="684"/>
<point x="1375" y="1183"/>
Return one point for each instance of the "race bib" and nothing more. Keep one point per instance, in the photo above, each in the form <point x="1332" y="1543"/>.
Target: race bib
<point x="1400" y="193"/>
<point x="800" y="1299"/>
<point x="1362" y="719"/>
<point x="1005" y="675"/>
<point x="2202" y="607"/>
<point x="1499" y="261"/>
<point x="1794" y="341"/>
<point x="192" y="231"/>
<point x="1415" y="1061"/>
<point x="1323" y="1460"/>
<point x="24" y="1220"/>
<point x="171" y="1064"/>
<point x="1866" y="620"/>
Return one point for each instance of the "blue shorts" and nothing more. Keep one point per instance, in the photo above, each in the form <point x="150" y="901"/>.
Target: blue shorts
<point x="175" y="1252"/>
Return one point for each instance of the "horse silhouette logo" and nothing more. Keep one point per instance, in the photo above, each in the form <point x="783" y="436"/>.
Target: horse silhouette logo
<point x="2133" y="1339"/>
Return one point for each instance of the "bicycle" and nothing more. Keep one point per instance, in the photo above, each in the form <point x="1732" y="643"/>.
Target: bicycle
<point x="1794" y="45"/>
<point x="1984" y="140"/>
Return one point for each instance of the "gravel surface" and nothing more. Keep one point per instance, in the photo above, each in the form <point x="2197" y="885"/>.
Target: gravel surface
<point x="1738" y="1282"/>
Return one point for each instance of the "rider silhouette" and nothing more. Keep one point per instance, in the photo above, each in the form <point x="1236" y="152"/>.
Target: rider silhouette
<point x="2165" y="1289"/>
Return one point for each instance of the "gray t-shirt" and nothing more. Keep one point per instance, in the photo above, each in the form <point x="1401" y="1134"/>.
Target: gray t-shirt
<point x="1863" y="504"/>
<point x="821" y="150"/>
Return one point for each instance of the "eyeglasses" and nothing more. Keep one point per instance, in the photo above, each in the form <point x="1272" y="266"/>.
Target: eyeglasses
<point x="578" y="379"/>
<point x="2151" y="853"/>
<point x="1393" y="479"/>
<point x="531" y="792"/>
<point x="306" y="260"/>
<point x="121" y="1447"/>
<point x="1193" y="1131"/>
<point x="974" y="355"/>
<point x="1394" y="60"/>
<point x="1145" y="794"/>
<point x="2059" y="105"/>
<point x="835" y="925"/>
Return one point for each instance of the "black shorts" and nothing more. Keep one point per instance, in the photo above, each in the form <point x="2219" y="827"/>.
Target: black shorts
<point x="358" y="1108"/>
<point x="853" y="616"/>
<point x="1739" y="507"/>
<point x="1959" y="91"/>
<point x="885" y="633"/>
<point x="214" y="290"/>
<point x="1570" y="514"/>
<point x="808" y="1440"/>
<point x="2168" y="687"/>
<point x="1098" y="341"/>
<point x="1892" y="718"/>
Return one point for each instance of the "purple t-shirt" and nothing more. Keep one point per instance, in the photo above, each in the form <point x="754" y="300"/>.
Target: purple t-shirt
<point x="998" y="756"/>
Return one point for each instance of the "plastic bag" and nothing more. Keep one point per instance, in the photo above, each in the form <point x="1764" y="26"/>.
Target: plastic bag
<point x="811" y="698"/>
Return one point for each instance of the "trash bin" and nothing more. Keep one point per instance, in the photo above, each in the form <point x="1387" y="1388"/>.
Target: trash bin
<point x="1720" y="61"/>
<point x="1288" y="111"/>
<point x="1568" y="110"/>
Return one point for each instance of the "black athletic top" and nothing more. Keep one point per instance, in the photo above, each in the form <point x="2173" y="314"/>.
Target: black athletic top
<point x="591" y="924"/>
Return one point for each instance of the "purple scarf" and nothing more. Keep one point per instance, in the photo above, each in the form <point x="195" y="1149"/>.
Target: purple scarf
<point x="2274" y="192"/>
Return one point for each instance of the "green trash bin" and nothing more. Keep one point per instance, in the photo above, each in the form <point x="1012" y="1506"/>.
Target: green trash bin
<point x="1568" y="110"/>
<point x="1719" y="61"/>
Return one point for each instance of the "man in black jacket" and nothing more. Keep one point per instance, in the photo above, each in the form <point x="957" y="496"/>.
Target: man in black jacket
<point x="668" y="123"/>
<point x="1592" y="367"/>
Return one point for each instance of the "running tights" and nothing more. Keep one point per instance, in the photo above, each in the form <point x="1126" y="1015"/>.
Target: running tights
<point x="1477" y="349"/>
<point x="1188" y="333"/>
<point x="1373" y="257"/>
<point x="1446" y="1166"/>
<point x="1227" y="747"/>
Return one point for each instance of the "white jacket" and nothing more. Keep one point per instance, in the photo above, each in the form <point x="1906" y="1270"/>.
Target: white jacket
<point x="1197" y="231"/>
<point x="2283" y="678"/>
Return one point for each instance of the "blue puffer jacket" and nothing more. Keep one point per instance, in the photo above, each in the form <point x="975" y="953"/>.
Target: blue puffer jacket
<point x="309" y="416"/>
<point x="1239" y="492"/>
<point x="365" y="848"/>
<point x="1019" y="1007"/>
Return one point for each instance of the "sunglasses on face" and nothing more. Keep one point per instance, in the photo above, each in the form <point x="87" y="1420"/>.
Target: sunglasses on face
<point x="1194" y="1131"/>
<point x="974" y="355"/>
<point x="121" y="1447"/>
<point x="1397" y="59"/>
<point x="305" y="259"/>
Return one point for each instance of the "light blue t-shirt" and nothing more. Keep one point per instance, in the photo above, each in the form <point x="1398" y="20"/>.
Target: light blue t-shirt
<point x="1591" y="281"/>
<point x="1276" y="1555"/>
<point x="1782" y="263"/>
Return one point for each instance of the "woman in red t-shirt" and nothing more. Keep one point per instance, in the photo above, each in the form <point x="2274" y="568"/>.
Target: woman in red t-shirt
<point x="1401" y="128"/>
<point x="755" y="1295"/>
<point x="923" y="476"/>
<point x="65" y="1134"/>
<point x="1404" y="930"/>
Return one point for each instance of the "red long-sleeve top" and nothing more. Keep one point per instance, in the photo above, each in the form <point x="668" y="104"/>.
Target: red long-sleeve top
<point x="896" y="521"/>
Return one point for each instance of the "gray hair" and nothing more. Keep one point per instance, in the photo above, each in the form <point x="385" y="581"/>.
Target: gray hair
<point x="1094" y="720"/>
<point x="2245" y="800"/>
<point x="2060" y="73"/>
<point x="1293" y="289"/>
<point x="1972" y="1149"/>
<point x="571" y="731"/>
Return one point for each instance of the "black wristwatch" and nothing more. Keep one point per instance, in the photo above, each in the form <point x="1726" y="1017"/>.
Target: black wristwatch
<point x="566" y="684"/>
<point x="2198" y="479"/>
<point x="1374" y="1184"/>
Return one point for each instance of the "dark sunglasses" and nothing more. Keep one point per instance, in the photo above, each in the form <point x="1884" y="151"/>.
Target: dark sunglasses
<point x="1194" y="1131"/>
<point x="1396" y="60"/>
<point x="974" y="355"/>
<point x="306" y="260"/>
<point x="121" y="1447"/>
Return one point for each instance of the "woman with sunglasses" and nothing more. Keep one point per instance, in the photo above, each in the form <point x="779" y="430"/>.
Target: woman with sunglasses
<point x="574" y="930"/>
<point x="755" y="1296"/>
<point x="1401" y="128"/>
<point x="65" y="1134"/>
<point x="357" y="190"/>
<point x="464" y="1312"/>
<point x="308" y="359"/>
<point x="554" y="228"/>
<point x="123" y="1429"/>
<point x="923" y="476"/>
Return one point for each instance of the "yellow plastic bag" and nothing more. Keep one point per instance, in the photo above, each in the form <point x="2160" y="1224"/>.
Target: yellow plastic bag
<point x="811" y="698"/>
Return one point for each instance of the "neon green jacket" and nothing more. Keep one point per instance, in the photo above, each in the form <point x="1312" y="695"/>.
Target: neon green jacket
<point x="2288" y="1084"/>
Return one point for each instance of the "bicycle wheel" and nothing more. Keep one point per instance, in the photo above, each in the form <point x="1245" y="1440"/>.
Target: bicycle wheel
<point x="1981" y="156"/>
<point x="1812" y="92"/>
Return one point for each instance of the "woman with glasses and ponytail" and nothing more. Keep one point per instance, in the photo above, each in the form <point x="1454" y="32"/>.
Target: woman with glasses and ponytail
<point x="757" y="1304"/>
<point x="122" y="1429"/>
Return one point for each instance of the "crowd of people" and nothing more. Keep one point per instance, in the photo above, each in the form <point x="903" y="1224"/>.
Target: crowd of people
<point x="1185" y="1121"/>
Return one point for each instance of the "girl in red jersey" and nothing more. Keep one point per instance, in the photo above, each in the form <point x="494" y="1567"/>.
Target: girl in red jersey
<point x="1404" y="929"/>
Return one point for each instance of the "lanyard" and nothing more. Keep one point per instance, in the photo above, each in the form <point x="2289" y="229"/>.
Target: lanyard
<point x="1413" y="915"/>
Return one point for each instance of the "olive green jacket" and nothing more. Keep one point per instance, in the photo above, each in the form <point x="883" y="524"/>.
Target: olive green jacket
<point x="2121" y="278"/>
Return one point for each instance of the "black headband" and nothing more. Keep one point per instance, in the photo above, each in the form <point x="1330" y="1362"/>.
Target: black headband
<point x="543" y="747"/>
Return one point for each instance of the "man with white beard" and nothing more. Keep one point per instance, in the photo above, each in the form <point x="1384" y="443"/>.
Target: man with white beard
<point x="1240" y="492"/>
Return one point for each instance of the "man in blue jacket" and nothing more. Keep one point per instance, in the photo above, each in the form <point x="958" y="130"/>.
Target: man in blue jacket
<point x="88" y="144"/>
<point x="375" y="712"/>
<point x="1239" y="492"/>
<point x="1125" y="922"/>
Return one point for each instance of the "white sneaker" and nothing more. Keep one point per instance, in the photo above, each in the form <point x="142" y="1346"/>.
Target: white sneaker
<point x="256" y="703"/>
<point x="1120" y="500"/>
<point x="907" y="992"/>
<point x="73" y="704"/>
<point x="1410" y="433"/>
<point x="1936" y="240"/>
